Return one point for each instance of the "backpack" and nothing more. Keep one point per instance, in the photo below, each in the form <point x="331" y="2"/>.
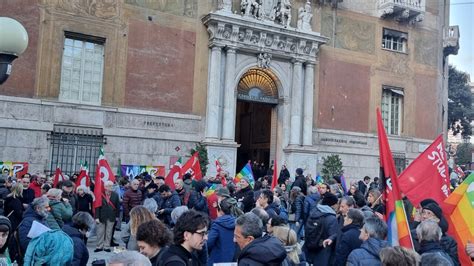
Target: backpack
<point x="314" y="231"/>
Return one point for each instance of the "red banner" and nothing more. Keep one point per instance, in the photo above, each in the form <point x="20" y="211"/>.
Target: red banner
<point x="193" y="167"/>
<point x="427" y="176"/>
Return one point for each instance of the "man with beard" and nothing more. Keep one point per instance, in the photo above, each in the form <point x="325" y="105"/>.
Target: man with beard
<point x="190" y="236"/>
<point x="38" y="211"/>
<point x="170" y="200"/>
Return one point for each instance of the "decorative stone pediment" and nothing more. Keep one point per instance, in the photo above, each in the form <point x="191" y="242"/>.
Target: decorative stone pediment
<point x="253" y="35"/>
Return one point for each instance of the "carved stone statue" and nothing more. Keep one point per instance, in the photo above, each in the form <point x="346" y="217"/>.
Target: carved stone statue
<point x="225" y="5"/>
<point x="263" y="60"/>
<point x="283" y="13"/>
<point x="304" y="17"/>
<point x="252" y="8"/>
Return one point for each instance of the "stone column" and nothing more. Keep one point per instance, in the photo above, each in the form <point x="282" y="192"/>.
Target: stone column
<point x="308" y="105"/>
<point x="296" y="104"/>
<point x="228" y="127"/>
<point x="213" y="94"/>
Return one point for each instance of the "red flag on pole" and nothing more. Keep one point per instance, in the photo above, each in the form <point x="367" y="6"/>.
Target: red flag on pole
<point x="398" y="229"/>
<point x="427" y="176"/>
<point x="103" y="173"/>
<point x="58" y="177"/>
<point x="98" y="190"/>
<point x="275" y="175"/>
<point x="174" y="173"/>
<point x="193" y="167"/>
<point x="219" y="170"/>
<point x="83" y="179"/>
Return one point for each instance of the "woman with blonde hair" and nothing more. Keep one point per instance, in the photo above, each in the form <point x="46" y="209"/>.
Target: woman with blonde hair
<point x="375" y="202"/>
<point x="13" y="206"/>
<point x="293" y="250"/>
<point x="138" y="216"/>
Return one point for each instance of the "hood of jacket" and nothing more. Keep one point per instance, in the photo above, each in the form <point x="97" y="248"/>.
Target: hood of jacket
<point x="264" y="250"/>
<point x="373" y="246"/>
<point x="226" y="221"/>
<point x="350" y="227"/>
<point x="315" y="196"/>
<point x="326" y="209"/>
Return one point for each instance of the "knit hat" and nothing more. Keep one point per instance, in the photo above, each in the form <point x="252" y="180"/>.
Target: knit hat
<point x="435" y="209"/>
<point x="427" y="201"/>
<point x="5" y="222"/>
<point x="329" y="199"/>
<point x="223" y="192"/>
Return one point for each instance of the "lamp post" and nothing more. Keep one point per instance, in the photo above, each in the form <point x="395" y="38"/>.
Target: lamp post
<point x="13" y="42"/>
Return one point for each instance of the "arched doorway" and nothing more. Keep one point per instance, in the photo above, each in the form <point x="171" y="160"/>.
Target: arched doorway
<point x="255" y="128"/>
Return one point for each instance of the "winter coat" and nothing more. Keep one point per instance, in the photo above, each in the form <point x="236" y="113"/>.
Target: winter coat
<point x="330" y="227"/>
<point x="15" y="207"/>
<point x="39" y="249"/>
<point x="380" y="208"/>
<point x="61" y="211"/>
<point x="310" y="201"/>
<point x="428" y="248"/>
<point x="28" y="196"/>
<point x="368" y="253"/>
<point x="245" y="199"/>
<point x="36" y="188"/>
<point x="81" y="254"/>
<point x="272" y="210"/>
<point x="108" y="212"/>
<point x="168" y="205"/>
<point x="450" y="246"/>
<point x="220" y="241"/>
<point x="300" y="181"/>
<point x="28" y="217"/>
<point x="72" y="198"/>
<point x="348" y="241"/>
<point x="362" y="187"/>
<point x="297" y="207"/>
<point x="197" y="202"/>
<point x="131" y="198"/>
<point x="266" y="250"/>
<point x="284" y="174"/>
<point x="178" y="255"/>
<point x="183" y="195"/>
<point x="84" y="203"/>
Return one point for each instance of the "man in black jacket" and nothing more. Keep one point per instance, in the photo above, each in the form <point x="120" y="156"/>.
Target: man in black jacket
<point x="245" y="196"/>
<point x="300" y="181"/>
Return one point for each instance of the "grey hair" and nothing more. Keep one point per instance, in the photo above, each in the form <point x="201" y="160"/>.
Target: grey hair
<point x="130" y="258"/>
<point x="262" y="214"/>
<point x="84" y="188"/>
<point x="83" y="220"/>
<point x="40" y="202"/>
<point x="55" y="193"/>
<point x="349" y="200"/>
<point x="375" y="228"/>
<point x="177" y="212"/>
<point x="277" y="201"/>
<point x="250" y="225"/>
<point x="151" y="205"/>
<point x="435" y="259"/>
<point x="108" y="183"/>
<point x="356" y="216"/>
<point x="428" y="231"/>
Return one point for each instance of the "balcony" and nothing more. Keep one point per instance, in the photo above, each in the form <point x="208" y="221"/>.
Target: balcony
<point x="409" y="11"/>
<point x="451" y="40"/>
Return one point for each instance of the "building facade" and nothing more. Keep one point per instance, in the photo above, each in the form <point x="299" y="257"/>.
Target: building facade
<point x="291" y="81"/>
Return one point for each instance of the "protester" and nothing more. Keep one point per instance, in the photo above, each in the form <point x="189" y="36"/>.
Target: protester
<point x="44" y="189"/>
<point x="273" y="222"/>
<point x="6" y="230"/>
<point x="60" y="207"/>
<point x="131" y="198"/>
<point x="28" y="193"/>
<point x="190" y="235"/>
<point x="36" y="182"/>
<point x="294" y="255"/>
<point x="296" y="215"/>
<point x="355" y="192"/>
<point x="152" y="238"/>
<point x="197" y="201"/>
<point x="300" y="181"/>
<point x="177" y="212"/>
<point x="375" y="202"/>
<point x="82" y="223"/>
<point x="219" y="244"/>
<point x="38" y="211"/>
<point x="68" y="193"/>
<point x="323" y="189"/>
<point x="105" y="217"/>
<point x="13" y="206"/>
<point x="40" y="249"/>
<point x="429" y="235"/>
<point x="138" y="215"/>
<point x="399" y="256"/>
<point x="364" y="185"/>
<point x="372" y="234"/>
<point x="255" y="248"/>
<point x="245" y="196"/>
<point x="129" y="258"/>
<point x="151" y="205"/>
<point x="284" y="175"/>
<point x="84" y="199"/>
<point x="170" y="200"/>
<point x="265" y="201"/>
<point x="182" y="193"/>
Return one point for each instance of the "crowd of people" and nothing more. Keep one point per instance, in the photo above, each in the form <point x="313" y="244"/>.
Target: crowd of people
<point x="214" y="220"/>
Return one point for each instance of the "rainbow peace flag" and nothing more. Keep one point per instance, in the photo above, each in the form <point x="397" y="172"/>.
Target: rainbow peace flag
<point x="247" y="172"/>
<point x="211" y="190"/>
<point x="459" y="210"/>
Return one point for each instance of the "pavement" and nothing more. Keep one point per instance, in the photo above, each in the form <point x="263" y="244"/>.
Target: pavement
<point x="92" y="243"/>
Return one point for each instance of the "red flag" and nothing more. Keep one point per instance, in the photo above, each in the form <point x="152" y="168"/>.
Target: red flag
<point x="193" y="167"/>
<point x="98" y="190"/>
<point x="219" y="170"/>
<point x="427" y="176"/>
<point x="398" y="229"/>
<point x="83" y="179"/>
<point x="275" y="175"/>
<point x="174" y="173"/>
<point x="58" y="177"/>
<point x="103" y="173"/>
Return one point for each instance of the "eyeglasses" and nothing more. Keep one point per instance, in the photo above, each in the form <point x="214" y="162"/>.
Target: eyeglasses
<point x="202" y="233"/>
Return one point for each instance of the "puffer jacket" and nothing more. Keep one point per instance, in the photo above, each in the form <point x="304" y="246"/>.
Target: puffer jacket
<point x="81" y="254"/>
<point x="61" y="211"/>
<point x="39" y="249"/>
<point x="297" y="207"/>
<point x="348" y="241"/>
<point x="197" y="202"/>
<point x="131" y="198"/>
<point x="220" y="240"/>
<point x="368" y="253"/>
<point x="310" y="201"/>
<point x="28" y="217"/>
<point x="168" y="206"/>
<point x="266" y="250"/>
<point x="245" y="199"/>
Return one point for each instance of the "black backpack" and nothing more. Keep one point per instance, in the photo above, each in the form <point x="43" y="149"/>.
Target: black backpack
<point x="314" y="231"/>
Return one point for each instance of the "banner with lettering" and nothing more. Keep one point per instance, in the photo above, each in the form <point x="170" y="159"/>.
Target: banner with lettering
<point x="427" y="176"/>
<point x="133" y="170"/>
<point x="17" y="169"/>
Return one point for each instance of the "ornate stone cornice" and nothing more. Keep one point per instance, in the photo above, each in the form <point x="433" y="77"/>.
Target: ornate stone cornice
<point x="256" y="36"/>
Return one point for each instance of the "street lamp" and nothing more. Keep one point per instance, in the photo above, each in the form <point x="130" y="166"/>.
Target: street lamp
<point x="13" y="42"/>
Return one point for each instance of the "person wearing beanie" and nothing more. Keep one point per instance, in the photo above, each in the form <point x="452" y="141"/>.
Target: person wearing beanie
<point x="330" y="200"/>
<point x="5" y="234"/>
<point x="300" y="181"/>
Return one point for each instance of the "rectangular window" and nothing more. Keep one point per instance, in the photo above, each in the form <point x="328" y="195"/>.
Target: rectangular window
<point x="392" y="109"/>
<point x="400" y="162"/>
<point x="72" y="146"/>
<point x="394" y="40"/>
<point x="82" y="69"/>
